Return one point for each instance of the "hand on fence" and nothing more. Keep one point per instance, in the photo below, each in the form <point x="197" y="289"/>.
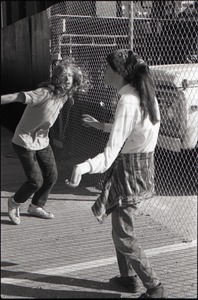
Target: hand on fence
<point x="75" y="178"/>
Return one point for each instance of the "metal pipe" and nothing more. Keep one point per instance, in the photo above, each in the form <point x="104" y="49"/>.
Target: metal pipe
<point x="92" y="36"/>
<point x="131" y="17"/>
<point x="95" y="45"/>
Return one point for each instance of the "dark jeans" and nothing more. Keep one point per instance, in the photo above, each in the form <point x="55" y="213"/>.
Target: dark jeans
<point x="130" y="255"/>
<point x="41" y="172"/>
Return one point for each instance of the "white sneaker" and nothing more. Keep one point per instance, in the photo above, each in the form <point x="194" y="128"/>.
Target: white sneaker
<point x="39" y="211"/>
<point x="13" y="211"/>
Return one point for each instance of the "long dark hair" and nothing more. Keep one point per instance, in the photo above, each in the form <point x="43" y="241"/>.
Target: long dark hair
<point x="143" y="83"/>
<point x="138" y="75"/>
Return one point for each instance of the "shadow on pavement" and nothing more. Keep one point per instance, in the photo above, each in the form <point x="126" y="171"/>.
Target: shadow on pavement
<point x="36" y="293"/>
<point x="9" y="289"/>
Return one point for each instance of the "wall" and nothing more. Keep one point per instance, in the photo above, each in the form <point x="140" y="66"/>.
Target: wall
<point x="13" y="11"/>
<point x="25" y="61"/>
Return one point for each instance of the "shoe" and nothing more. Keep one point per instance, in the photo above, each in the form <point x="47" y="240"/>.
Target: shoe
<point x="157" y="292"/>
<point x="129" y="282"/>
<point x="13" y="211"/>
<point x="40" y="212"/>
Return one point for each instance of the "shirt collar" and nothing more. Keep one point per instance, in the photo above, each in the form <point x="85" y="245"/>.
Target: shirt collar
<point x="126" y="89"/>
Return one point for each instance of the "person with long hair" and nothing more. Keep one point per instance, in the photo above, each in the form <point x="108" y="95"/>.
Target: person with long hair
<point x="129" y="159"/>
<point x="31" y="137"/>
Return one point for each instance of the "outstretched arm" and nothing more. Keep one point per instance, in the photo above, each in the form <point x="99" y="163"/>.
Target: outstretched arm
<point x="15" y="97"/>
<point x="122" y="127"/>
<point x="90" y="121"/>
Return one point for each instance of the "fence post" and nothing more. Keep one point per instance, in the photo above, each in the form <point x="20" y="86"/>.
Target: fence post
<point x="131" y="25"/>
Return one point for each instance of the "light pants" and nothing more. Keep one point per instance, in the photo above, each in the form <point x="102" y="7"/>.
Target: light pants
<point x="130" y="256"/>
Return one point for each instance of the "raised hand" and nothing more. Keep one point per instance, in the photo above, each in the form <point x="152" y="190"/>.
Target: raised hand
<point x="88" y="120"/>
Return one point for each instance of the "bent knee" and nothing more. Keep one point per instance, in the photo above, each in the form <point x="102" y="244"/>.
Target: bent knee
<point x="54" y="178"/>
<point x="51" y="179"/>
<point x="36" y="184"/>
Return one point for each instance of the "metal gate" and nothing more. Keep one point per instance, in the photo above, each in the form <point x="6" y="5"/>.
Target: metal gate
<point x="163" y="33"/>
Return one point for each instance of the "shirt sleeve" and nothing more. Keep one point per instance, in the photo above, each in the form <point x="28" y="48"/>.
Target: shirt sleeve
<point x="36" y="96"/>
<point x="124" y="122"/>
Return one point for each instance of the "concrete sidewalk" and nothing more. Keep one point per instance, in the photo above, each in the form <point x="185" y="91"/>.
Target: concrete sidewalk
<point x="72" y="255"/>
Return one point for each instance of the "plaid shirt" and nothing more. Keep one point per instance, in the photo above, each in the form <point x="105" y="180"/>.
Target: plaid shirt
<point x="129" y="181"/>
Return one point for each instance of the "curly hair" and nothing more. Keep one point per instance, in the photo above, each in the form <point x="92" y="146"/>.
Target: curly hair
<point x="81" y="82"/>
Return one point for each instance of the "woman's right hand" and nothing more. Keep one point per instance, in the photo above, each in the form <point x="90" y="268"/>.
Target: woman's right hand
<point x="75" y="178"/>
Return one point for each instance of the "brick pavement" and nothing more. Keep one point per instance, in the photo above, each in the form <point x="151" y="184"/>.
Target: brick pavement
<point x="72" y="256"/>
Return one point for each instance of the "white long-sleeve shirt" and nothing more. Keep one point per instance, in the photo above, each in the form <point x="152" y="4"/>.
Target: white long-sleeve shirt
<point x="128" y="128"/>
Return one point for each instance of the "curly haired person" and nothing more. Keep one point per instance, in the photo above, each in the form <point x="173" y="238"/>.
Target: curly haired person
<point x="31" y="137"/>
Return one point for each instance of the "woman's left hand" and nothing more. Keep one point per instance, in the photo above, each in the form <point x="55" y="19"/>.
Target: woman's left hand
<point x="88" y="121"/>
<point x="75" y="178"/>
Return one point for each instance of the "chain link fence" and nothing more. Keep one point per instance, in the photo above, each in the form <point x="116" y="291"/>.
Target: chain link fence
<point x="164" y="33"/>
